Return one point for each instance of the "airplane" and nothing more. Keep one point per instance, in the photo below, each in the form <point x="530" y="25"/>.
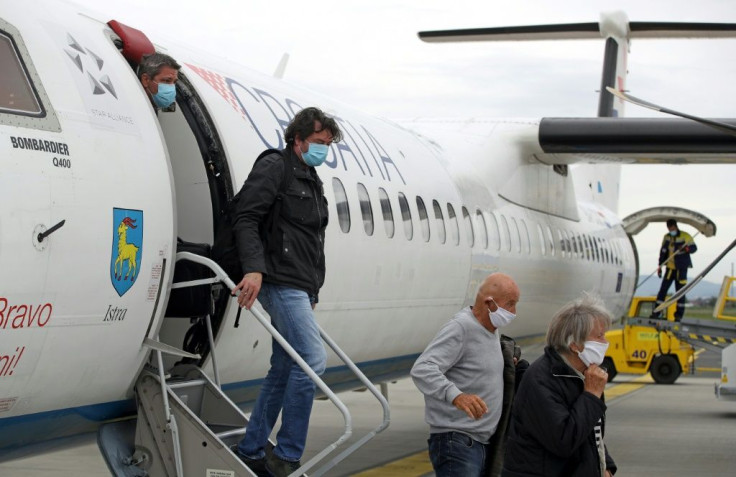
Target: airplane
<point x="97" y="188"/>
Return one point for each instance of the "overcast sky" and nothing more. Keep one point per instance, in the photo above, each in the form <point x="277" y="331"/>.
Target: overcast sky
<point x="367" y="54"/>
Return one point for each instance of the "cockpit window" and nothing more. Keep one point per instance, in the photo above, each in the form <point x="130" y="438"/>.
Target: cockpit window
<point x="17" y="95"/>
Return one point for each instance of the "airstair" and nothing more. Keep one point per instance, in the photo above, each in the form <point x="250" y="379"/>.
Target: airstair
<point x="717" y="334"/>
<point x="186" y="425"/>
<point x="711" y="334"/>
<point x="714" y="334"/>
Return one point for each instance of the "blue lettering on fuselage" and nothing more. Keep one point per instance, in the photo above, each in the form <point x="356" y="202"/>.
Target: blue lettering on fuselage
<point x="357" y="145"/>
<point x="235" y="88"/>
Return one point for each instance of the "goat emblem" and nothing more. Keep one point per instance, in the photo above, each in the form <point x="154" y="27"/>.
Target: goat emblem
<point x="127" y="247"/>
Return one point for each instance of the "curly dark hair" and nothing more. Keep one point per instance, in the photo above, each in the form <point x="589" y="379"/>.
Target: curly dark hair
<point x="303" y="125"/>
<point x="151" y="64"/>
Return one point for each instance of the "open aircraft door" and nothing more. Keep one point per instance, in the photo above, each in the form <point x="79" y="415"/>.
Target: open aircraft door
<point x="200" y="176"/>
<point x="636" y="222"/>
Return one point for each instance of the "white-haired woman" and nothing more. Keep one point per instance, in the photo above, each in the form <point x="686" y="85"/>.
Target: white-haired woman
<point x="558" y="419"/>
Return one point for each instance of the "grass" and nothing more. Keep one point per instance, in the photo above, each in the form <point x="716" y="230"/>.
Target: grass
<point x="699" y="312"/>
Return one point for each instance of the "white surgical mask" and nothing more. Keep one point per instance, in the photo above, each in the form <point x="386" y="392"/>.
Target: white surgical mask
<point x="593" y="352"/>
<point x="500" y="317"/>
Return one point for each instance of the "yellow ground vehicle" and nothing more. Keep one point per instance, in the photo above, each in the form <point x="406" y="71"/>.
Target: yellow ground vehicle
<point x="636" y="349"/>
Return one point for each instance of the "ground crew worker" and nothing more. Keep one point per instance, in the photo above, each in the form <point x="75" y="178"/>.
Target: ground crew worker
<point x="675" y="257"/>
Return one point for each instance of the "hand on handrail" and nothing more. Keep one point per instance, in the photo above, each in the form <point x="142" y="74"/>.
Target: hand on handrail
<point x="249" y="288"/>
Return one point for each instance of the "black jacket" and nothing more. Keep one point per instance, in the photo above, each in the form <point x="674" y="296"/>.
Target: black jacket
<point x="552" y="424"/>
<point x="512" y="375"/>
<point x="681" y="242"/>
<point x="298" y="258"/>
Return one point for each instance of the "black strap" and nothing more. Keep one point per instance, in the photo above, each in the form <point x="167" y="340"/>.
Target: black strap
<point x="237" y="317"/>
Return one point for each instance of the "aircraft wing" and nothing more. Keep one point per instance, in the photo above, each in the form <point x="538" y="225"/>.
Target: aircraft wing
<point x="634" y="141"/>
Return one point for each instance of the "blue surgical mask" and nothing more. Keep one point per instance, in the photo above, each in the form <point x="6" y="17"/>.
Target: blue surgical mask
<point x="673" y="233"/>
<point x="165" y="96"/>
<point x="315" y="155"/>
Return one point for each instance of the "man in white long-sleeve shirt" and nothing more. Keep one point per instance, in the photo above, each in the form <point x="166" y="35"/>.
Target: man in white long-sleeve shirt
<point x="461" y="376"/>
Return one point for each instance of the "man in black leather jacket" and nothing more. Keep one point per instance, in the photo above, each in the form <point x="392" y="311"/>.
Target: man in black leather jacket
<point x="284" y="266"/>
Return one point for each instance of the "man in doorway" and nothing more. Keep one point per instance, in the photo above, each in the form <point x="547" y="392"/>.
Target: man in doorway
<point x="158" y="74"/>
<point x="284" y="266"/>
<point x="674" y="255"/>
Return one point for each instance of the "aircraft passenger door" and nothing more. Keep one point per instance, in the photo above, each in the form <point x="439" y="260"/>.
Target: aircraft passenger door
<point x="201" y="182"/>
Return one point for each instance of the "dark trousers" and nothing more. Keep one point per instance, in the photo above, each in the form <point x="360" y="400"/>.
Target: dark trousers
<point x="679" y="276"/>
<point x="454" y="454"/>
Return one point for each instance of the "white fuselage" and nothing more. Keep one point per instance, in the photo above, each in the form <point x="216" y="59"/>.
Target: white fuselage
<point x="71" y="328"/>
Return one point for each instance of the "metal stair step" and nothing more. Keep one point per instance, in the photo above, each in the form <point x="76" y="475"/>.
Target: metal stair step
<point x="186" y="384"/>
<point x="231" y="433"/>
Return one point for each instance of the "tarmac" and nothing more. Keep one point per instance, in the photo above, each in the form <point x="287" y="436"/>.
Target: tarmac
<point x="651" y="430"/>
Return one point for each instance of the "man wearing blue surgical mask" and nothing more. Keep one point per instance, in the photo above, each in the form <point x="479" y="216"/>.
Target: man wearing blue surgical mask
<point x="283" y="264"/>
<point x="461" y="374"/>
<point x="158" y="74"/>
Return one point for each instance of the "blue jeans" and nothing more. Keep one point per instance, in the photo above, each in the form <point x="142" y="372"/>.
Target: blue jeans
<point x="454" y="454"/>
<point x="286" y="388"/>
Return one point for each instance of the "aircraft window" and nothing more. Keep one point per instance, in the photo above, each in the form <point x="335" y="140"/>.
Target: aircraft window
<point x="551" y="241"/>
<point x="365" y="209"/>
<point x="440" y="221"/>
<point x="562" y="243"/>
<point x="581" y="249"/>
<point x="595" y="248"/>
<point x="406" y="216"/>
<point x="482" y="227"/>
<point x="588" y="248"/>
<point x="388" y="214"/>
<point x="574" y="245"/>
<point x="468" y="227"/>
<point x="517" y="235"/>
<point x="454" y="227"/>
<point x="542" y="245"/>
<point x="616" y="252"/>
<point x="17" y="95"/>
<point x="604" y="251"/>
<point x="506" y="232"/>
<point x="613" y="251"/>
<point x="528" y="241"/>
<point x="343" y="208"/>
<point x="495" y="234"/>
<point x="423" y="219"/>
<point x="604" y="247"/>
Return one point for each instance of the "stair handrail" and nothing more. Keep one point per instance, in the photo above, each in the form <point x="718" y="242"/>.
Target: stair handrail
<point x="372" y="388"/>
<point x="221" y="276"/>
